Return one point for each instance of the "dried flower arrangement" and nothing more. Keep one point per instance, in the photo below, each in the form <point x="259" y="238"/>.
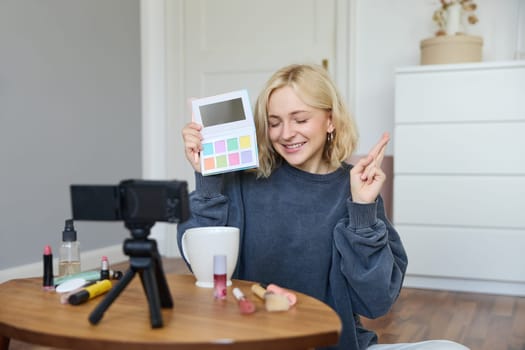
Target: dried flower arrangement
<point x="443" y="16"/>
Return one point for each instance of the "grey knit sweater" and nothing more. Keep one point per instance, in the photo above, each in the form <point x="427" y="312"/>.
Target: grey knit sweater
<point x="302" y="231"/>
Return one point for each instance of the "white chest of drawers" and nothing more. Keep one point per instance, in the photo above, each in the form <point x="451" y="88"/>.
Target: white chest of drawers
<point x="459" y="175"/>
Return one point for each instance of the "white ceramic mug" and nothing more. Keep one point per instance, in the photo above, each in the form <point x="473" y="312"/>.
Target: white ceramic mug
<point x="200" y="244"/>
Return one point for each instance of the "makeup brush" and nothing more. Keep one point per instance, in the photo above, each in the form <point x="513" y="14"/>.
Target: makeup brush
<point x="272" y="301"/>
<point x="273" y="288"/>
<point x="245" y="306"/>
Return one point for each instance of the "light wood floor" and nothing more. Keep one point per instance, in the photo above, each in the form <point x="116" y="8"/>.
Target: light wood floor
<point x="479" y="321"/>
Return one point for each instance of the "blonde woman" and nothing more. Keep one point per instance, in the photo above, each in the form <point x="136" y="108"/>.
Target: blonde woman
<point x="308" y="220"/>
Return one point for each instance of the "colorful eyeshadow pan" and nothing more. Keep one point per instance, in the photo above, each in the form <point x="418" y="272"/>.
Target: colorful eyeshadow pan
<point x="230" y="154"/>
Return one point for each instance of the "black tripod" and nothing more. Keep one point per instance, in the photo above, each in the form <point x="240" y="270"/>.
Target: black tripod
<point x="144" y="259"/>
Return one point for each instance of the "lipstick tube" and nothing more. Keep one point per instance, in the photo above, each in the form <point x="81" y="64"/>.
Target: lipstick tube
<point x="47" y="280"/>
<point x="104" y="269"/>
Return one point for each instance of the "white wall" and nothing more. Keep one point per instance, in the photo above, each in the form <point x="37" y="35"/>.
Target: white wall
<point x="388" y="33"/>
<point x="384" y="35"/>
<point x="69" y="114"/>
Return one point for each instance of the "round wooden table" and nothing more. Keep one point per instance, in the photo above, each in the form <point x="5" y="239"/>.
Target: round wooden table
<point x="197" y="320"/>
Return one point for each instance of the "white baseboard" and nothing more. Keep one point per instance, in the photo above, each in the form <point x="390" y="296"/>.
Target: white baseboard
<point x="465" y="285"/>
<point x="90" y="260"/>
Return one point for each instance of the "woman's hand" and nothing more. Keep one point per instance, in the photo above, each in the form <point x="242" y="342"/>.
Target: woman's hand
<point x="191" y="134"/>
<point x="367" y="177"/>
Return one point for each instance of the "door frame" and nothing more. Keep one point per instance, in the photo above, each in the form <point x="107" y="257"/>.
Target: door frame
<point x="162" y="62"/>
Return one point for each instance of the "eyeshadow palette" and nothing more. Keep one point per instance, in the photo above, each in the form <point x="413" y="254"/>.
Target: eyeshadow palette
<point x="229" y="141"/>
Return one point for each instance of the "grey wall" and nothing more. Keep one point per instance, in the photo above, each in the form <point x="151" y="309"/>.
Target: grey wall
<point x="69" y="113"/>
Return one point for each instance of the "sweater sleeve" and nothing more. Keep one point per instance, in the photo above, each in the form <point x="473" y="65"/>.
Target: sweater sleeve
<point x="371" y="258"/>
<point x="208" y="205"/>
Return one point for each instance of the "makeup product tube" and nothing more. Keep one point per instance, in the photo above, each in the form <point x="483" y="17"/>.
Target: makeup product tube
<point x="71" y="285"/>
<point x="219" y="276"/>
<point x="246" y="307"/>
<point x="90" y="292"/>
<point x="88" y="276"/>
<point x="47" y="281"/>
<point x="104" y="269"/>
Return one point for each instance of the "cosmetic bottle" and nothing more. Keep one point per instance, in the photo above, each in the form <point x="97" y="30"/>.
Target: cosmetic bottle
<point x="69" y="257"/>
<point x="219" y="276"/>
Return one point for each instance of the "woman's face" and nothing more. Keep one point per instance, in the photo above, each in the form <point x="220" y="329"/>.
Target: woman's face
<point x="297" y="131"/>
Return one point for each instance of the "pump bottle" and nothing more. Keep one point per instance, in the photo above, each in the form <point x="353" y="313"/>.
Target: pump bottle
<point x="69" y="257"/>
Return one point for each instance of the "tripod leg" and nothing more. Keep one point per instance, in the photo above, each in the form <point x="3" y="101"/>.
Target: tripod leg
<point x="164" y="292"/>
<point x="152" y="294"/>
<point x="97" y="314"/>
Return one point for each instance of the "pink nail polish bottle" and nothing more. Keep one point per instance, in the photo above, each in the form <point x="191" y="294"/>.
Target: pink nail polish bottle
<point x="219" y="277"/>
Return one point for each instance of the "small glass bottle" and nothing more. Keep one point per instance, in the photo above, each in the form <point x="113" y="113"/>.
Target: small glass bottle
<point x="219" y="276"/>
<point x="69" y="257"/>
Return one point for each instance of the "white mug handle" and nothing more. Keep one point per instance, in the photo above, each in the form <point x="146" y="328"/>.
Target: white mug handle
<point x="183" y="247"/>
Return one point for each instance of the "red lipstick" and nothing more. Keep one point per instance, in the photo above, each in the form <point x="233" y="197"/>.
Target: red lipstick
<point x="47" y="281"/>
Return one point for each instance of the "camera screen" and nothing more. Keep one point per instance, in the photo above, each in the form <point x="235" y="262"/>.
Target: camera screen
<point x="222" y="112"/>
<point x="95" y="202"/>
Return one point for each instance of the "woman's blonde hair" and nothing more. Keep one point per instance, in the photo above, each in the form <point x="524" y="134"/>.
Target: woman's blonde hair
<point x="314" y="87"/>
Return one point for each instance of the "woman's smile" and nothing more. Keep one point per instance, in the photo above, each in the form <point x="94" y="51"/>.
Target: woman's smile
<point x="294" y="147"/>
<point x="298" y="131"/>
